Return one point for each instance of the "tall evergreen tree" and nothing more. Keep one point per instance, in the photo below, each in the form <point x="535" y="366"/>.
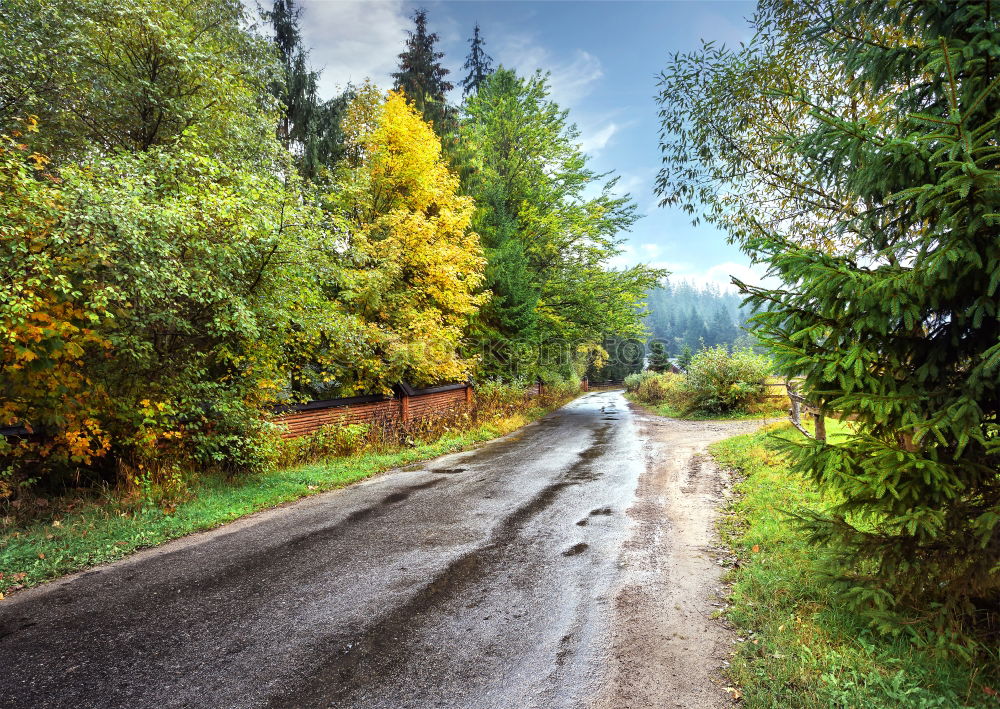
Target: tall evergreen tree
<point x="422" y="77"/>
<point x="721" y="330"/>
<point x="685" y="357"/>
<point x="296" y="88"/>
<point x="478" y="63"/>
<point x="897" y="325"/>
<point x="307" y="126"/>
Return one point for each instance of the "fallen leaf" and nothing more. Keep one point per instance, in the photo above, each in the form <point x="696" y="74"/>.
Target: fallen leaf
<point x="57" y="523"/>
<point x="1" y="596"/>
<point x="756" y="548"/>
<point x="41" y="555"/>
<point x="990" y="692"/>
<point x="20" y="575"/>
<point x="734" y="693"/>
<point x="311" y="487"/>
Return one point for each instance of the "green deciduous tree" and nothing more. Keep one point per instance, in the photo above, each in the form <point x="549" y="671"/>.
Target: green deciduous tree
<point x="115" y="75"/>
<point x="167" y="276"/>
<point x="547" y="239"/>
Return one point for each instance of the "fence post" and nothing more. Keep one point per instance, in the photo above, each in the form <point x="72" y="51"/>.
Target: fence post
<point x="793" y="397"/>
<point x="468" y="394"/>
<point x="404" y="406"/>
<point x="585" y="384"/>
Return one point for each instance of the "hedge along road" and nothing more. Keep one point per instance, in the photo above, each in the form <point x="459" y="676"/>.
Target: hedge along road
<point x="565" y="565"/>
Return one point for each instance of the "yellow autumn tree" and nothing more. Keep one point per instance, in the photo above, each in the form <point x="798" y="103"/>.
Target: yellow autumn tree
<point x="416" y="270"/>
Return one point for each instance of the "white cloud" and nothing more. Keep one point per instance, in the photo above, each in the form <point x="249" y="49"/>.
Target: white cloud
<point x="352" y="41"/>
<point x="627" y="257"/>
<point x="723" y="273"/>
<point x="570" y="78"/>
<point x="719" y="275"/>
<point x="653" y="250"/>
<point x="593" y="142"/>
<point x="629" y="185"/>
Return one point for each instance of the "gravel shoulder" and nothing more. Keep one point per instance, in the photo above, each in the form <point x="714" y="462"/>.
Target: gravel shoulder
<point x="666" y="649"/>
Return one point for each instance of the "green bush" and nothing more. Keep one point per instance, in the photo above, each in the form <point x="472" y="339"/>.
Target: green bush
<point x="497" y="395"/>
<point x="634" y="381"/>
<point x="562" y="387"/>
<point x="330" y="441"/>
<point x="653" y="390"/>
<point x="720" y="381"/>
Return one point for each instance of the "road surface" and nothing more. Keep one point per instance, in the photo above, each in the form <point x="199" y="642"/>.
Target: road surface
<point x="566" y="565"/>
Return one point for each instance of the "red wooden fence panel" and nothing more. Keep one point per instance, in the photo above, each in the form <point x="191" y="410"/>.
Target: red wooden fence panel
<point x="407" y="405"/>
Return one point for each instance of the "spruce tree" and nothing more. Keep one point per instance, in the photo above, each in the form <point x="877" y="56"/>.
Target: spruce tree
<point x="296" y="87"/>
<point x="478" y="63"/>
<point x="721" y="330"/>
<point x="900" y="330"/>
<point x="684" y="359"/>
<point x="307" y="127"/>
<point x="659" y="360"/>
<point x="422" y="77"/>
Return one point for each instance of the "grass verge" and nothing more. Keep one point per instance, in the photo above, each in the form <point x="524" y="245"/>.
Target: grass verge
<point x="99" y="533"/>
<point x="801" y="647"/>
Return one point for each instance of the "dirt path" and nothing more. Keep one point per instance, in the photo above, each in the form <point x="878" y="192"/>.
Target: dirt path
<point x="666" y="648"/>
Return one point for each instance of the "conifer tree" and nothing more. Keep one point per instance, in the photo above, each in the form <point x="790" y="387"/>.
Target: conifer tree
<point x="686" y="355"/>
<point x="296" y="88"/>
<point x="307" y="126"/>
<point x="898" y="327"/>
<point x="421" y="77"/>
<point x="721" y="330"/>
<point x="659" y="360"/>
<point x="479" y="64"/>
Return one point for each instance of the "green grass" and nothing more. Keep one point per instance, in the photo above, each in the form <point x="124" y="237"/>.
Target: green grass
<point x="803" y="648"/>
<point x="675" y="413"/>
<point x="99" y="533"/>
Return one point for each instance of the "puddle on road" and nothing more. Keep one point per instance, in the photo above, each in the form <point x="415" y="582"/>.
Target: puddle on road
<point x="406" y="492"/>
<point x="360" y="514"/>
<point x="448" y="471"/>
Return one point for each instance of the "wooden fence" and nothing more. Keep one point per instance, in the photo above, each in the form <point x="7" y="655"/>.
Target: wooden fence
<point x="406" y="405"/>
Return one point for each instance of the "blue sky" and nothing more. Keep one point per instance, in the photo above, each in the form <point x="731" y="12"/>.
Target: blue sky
<point x="604" y="56"/>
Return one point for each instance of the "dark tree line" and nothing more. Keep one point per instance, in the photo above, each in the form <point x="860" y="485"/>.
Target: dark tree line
<point x="682" y="315"/>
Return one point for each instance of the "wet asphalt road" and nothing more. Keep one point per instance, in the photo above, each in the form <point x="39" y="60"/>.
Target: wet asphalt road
<point x="478" y="580"/>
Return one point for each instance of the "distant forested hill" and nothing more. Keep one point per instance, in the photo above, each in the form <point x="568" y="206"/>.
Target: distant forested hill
<point x="684" y="314"/>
